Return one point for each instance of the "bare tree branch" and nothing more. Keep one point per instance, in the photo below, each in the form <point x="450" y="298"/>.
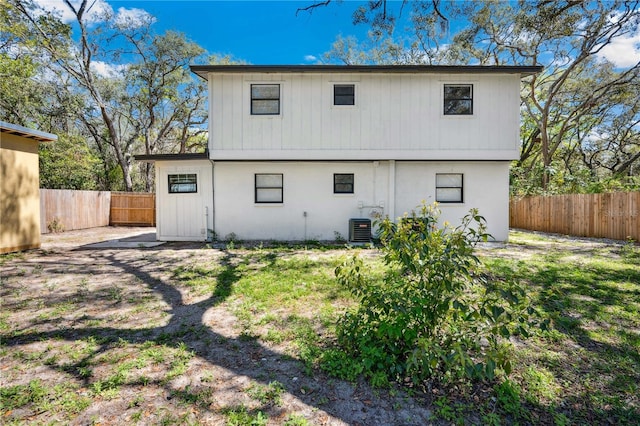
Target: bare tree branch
<point x="313" y="6"/>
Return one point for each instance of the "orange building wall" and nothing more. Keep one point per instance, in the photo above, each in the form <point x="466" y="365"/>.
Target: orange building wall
<point x="19" y="193"/>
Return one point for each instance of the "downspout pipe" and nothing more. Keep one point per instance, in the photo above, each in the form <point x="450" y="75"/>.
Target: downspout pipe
<point x="211" y="232"/>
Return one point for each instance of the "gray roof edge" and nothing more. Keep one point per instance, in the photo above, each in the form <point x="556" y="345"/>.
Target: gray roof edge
<point x="149" y="158"/>
<point x="26" y="132"/>
<point x="524" y="70"/>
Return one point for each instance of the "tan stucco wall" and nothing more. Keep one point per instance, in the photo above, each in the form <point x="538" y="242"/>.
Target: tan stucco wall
<point x="19" y="193"/>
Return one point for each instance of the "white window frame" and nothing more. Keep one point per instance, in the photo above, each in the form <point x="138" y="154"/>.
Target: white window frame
<point x="258" y="188"/>
<point x="446" y="187"/>
<point x="169" y="175"/>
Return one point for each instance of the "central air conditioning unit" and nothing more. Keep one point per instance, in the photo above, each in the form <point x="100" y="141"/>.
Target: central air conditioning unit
<point x="359" y="230"/>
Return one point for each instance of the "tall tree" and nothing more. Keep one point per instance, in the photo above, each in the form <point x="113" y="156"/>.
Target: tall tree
<point x="136" y="90"/>
<point x="22" y="93"/>
<point x="78" y="60"/>
<point x="166" y="108"/>
<point x="568" y="37"/>
<point x="573" y="107"/>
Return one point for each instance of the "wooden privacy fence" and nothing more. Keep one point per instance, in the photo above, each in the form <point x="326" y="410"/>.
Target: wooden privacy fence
<point x="613" y="215"/>
<point x="133" y="209"/>
<point x="66" y="210"/>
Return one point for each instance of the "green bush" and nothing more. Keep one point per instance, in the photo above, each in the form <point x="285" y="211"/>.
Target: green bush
<point x="433" y="315"/>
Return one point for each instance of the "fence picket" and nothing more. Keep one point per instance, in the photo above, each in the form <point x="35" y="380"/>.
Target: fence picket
<point x="612" y="215"/>
<point x="133" y="209"/>
<point x="72" y="209"/>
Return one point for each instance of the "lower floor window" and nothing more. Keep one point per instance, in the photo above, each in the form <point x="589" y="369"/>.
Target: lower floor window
<point x="268" y="188"/>
<point x="183" y="183"/>
<point x="343" y="183"/>
<point x="449" y="187"/>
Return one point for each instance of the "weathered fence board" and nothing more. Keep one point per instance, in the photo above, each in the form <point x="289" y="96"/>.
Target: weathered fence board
<point x="67" y="210"/>
<point x="612" y="215"/>
<point x="133" y="209"/>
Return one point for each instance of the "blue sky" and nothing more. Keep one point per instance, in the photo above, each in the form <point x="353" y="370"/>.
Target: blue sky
<point x="269" y="32"/>
<point x="259" y="32"/>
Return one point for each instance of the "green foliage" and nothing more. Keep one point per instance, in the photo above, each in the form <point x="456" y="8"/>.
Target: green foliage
<point x="19" y="96"/>
<point x="526" y="178"/>
<point x="508" y="395"/>
<point x="341" y="364"/>
<point x="451" y="412"/>
<point x="432" y="315"/>
<point x="68" y="163"/>
<point x="295" y="420"/>
<point x="630" y="252"/>
<point x="40" y="397"/>
<point x="241" y="416"/>
<point x="20" y="395"/>
<point x="541" y="385"/>
<point x="270" y="394"/>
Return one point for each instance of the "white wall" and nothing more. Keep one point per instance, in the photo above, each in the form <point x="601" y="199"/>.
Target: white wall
<point x="396" y="116"/>
<point x="184" y="217"/>
<point x="385" y="186"/>
<point x="486" y="187"/>
<point x="307" y="187"/>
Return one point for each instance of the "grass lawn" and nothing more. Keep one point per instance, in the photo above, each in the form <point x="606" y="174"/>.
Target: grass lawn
<point x="586" y="369"/>
<point x="234" y="336"/>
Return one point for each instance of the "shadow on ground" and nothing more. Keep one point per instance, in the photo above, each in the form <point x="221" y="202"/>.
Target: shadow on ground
<point x="318" y="398"/>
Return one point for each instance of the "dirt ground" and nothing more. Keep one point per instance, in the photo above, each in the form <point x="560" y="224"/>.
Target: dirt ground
<point x="57" y="299"/>
<point x="96" y="329"/>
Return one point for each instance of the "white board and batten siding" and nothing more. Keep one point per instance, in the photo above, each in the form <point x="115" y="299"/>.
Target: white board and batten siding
<point x="395" y="116"/>
<point x="395" y="140"/>
<point x="184" y="216"/>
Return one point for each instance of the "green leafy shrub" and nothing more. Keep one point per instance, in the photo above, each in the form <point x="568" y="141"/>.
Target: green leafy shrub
<point x="433" y="315"/>
<point x="630" y="252"/>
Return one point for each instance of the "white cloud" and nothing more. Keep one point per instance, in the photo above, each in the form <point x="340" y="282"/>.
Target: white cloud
<point x="624" y="51"/>
<point x="99" y="11"/>
<point x="310" y="58"/>
<point x="96" y="12"/>
<point x="133" y="17"/>
<point x="105" y="69"/>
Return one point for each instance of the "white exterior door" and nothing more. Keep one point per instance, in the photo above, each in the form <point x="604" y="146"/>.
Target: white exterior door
<point x="184" y="200"/>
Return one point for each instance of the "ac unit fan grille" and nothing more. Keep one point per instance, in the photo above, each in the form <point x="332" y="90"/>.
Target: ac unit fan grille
<point x="360" y="230"/>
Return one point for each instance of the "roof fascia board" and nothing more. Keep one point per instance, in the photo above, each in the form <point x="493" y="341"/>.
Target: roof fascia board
<point x="524" y="71"/>
<point x="25" y="132"/>
<point x="150" y="158"/>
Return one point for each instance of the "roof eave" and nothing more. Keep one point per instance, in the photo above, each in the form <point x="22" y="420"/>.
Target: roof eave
<point x="523" y="71"/>
<point x="14" y="129"/>
<point x="152" y="158"/>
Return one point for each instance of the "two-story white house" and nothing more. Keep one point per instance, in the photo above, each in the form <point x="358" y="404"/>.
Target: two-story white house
<point x="296" y="152"/>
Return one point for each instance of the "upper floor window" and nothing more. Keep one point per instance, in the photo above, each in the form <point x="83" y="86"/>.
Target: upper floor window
<point x="344" y="94"/>
<point x="449" y="187"/>
<point x="458" y="99"/>
<point x="343" y="183"/>
<point x="183" y="184"/>
<point x="269" y="188"/>
<point x="265" y="99"/>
